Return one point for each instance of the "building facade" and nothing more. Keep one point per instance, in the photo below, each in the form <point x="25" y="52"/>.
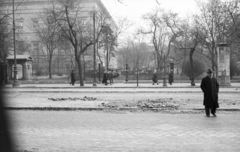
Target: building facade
<point x="27" y="20"/>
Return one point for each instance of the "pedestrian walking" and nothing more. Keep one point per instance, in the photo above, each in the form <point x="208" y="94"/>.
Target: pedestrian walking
<point x="72" y="78"/>
<point x="210" y="88"/>
<point x="155" y="78"/>
<point x="110" y="77"/>
<point x="170" y="77"/>
<point x="105" y="77"/>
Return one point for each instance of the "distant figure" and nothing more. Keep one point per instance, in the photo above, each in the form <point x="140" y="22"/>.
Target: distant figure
<point x="170" y="77"/>
<point x="110" y="77"/>
<point x="72" y="78"/>
<point x="210" y="88"/>
<point x="105" y="77"/>
<point x="155" y="79"/>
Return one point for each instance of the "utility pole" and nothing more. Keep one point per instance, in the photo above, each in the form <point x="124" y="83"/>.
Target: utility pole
<point x="126" y="73"/>
<point x="107" y="49"/>
<point x="94" y="52"/>
<point x="58" y="63"/>
<point x="99" y="71"/>
<point x="164" y="72"/>
<point x="15" y="81"/>
<point x="137" y="75"/>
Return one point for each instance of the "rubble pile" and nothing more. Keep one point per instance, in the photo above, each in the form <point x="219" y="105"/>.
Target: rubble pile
<point x="111" y="105"/>
<point x="85" y="98"/>
<point x="158" y="103"/>
<point x="162" y="104"/>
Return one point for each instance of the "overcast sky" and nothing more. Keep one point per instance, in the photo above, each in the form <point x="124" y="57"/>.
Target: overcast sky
<point x="135" y="9"/>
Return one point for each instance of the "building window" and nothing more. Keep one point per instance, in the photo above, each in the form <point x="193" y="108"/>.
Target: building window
<point x="50" y="20"/>
<point x="36" y="47"/>
<point x="20" y="45"/>
<point x="34" y="25"/>
<point x="19" y="26"/>
<point x="82" y="21"/>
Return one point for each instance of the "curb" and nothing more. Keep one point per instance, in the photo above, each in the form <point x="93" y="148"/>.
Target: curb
<point x="53" y="108"/>
<point x="102" y="109"/>
<point x="115" y="87"/>
<point x="94" y="91"/>
<point x="218" y="109"/>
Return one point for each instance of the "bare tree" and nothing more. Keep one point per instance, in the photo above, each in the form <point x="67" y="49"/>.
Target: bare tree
<point x="233" y="25"/>
<point x="192" y="37"/>
<point x="5" y="16"/>
<point x="213" y="22"/>
<point x="6" y="12"/>
<point x="4" y="40"/>
<point x="67" y="14"/>
<point x="163" y="30"/>
<point x="49" y="35"/>
<point x="135" y="54"/>
<point x="109" y="40"/>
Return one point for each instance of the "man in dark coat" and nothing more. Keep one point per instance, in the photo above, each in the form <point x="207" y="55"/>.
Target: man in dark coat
<point x="72" y="78"/>
<point x="105" y="77"/>
<point x="210" y="88"/>
<point x="110" y="77"/>
<point x="155" y="78"/>
<point x="170" y="77"/>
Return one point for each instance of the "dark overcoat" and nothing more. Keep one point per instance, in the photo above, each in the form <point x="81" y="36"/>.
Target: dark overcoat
<point x="72" y="77"/>
<point x="155" y="78"/>
<point x="105" y="78"/>
<point x="170" y="78"/>
<point x="210" y="88"/>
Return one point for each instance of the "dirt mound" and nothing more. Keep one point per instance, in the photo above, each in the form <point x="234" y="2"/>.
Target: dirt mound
<point x="163" y="103"/>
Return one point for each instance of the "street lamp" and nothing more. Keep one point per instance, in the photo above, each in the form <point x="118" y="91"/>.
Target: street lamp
<point x="137" y="76"/>
<point x="164" y="72"/>
<point x="126" y="73"/>
<point x="99" y="71"/>
<point x="94" y="51"/>
<point x="15" y="81"/>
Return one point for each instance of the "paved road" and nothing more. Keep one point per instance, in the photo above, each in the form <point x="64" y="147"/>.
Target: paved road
<point x="117" y="131"/>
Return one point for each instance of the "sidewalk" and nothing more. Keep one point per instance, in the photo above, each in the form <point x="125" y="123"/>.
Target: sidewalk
<point x="117" y="88"/>
<point x="117" y="85"/>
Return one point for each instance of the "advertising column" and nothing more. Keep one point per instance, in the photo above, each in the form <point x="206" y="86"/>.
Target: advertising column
<point x="224" y="64"/>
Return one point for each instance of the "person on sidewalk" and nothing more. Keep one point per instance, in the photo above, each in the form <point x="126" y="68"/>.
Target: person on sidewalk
<point x="110" y="77"/>
<point x="72" y="78"/>
<point x="210" y="88"/>
<point x="105" y="77"/>
<point x="155" y="79"/>
<point x="170" y="77"/>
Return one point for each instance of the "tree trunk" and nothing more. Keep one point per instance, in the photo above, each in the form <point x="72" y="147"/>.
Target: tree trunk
<point x="191" y="63"/>
<point x="84" y="68"/>
<point x="50" y="67"/>
<point x="80" y="71"/>
<point x="213" y="64"/>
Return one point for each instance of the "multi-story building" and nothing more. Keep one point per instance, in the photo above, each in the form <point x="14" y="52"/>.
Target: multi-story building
<point x="27" y="13"/>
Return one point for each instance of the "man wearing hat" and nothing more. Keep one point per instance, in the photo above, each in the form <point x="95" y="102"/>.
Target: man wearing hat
<point x="210" y="88"/>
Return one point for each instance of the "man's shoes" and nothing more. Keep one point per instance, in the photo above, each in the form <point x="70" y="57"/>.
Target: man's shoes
<point x="207" y="115"/>
<point x="214" y="114"/>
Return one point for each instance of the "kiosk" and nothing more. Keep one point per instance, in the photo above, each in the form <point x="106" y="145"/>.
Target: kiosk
<point x="24" y="67"/>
